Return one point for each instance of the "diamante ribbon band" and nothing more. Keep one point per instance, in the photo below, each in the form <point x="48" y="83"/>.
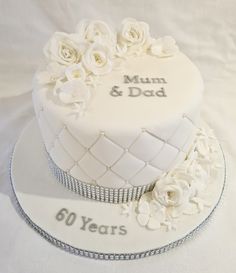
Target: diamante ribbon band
<point x="98" y="193"/>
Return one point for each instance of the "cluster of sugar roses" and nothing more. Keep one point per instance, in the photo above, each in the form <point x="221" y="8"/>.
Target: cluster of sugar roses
<point x="181" y="191"/>
<point x="75" y="61"/>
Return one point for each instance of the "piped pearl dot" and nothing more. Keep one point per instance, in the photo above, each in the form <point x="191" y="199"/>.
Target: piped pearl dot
<point x="102" y="133"/>
<point x="126" y="150"/>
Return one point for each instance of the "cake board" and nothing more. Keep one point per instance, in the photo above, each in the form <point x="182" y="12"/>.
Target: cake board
<point x="85" y="227"/>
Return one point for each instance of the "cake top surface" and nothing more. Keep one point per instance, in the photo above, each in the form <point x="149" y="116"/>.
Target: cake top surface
<point x="123" y="80"/>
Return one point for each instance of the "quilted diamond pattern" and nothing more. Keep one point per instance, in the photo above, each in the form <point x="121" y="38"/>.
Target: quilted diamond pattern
<point x="110" y="160"/>
<point x="106" y="151"/>
<point x="165" y="131"/>
<point x="146" y="146"/>
<point x="128" y="166"/>
<point x="73" y="147"/>
<point x="85" y="139"/>
<point x="182" y="133"/>
<point x="147" y="173"/>
<point x="110" y="179"/>
<point x="122" y="139"/>
<point x="77" y="172"/>
<point x="166" y="156"/>
<point x="91" y="166"/>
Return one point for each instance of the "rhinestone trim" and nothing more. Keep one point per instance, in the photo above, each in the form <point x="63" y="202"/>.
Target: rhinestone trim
<point x="95" y="192"/>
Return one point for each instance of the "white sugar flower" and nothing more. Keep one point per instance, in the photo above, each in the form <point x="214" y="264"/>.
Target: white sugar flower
<point x="64" y="48"/>
<point x="203" y="146"/>
<point x="75" y="71"/>
<point x="97" y="59"/>
<point x="51" y="74"/>
<point x="164" y="47"/>
<point x="73" y="92"/>
<point x="96" y="31"/>
<point x="173" y="192"/>
<point x="127" y="208"/>
<point x="134" y="35"/>
<point x="150" y="213"/>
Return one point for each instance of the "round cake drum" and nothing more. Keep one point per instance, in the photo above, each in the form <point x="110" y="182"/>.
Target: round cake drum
<point x="86" y="227"/>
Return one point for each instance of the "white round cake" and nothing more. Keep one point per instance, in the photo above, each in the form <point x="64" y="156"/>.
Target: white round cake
<point x="116" y="112"/>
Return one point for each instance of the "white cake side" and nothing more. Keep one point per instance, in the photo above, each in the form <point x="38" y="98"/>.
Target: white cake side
<point x="139" y="124"/>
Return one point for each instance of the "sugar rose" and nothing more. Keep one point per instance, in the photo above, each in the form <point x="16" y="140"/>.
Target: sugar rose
<point x="97" y="59"/>
<point x="96" y="31"/>
<point x="134" y="33"/>
<point x="64" y="48"/>
<point x="171" y="192"/>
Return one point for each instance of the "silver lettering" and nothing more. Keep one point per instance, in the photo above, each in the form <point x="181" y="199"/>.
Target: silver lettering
<point x="134" y="91"/>
<point x="85" y="222"/>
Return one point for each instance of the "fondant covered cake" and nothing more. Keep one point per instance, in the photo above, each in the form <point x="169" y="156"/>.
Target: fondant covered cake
<point x="116" y="109"/>
<point x="117" y="121"/>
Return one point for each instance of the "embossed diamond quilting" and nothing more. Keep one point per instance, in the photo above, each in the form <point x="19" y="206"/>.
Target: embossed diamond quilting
<point x="165" y="132"/>
<point x="92" y="166"/>
<point x="83" y="137"/>
<point x="148" y="173"/>
<point x="111" y="180"/>
<point x="80" y="175"/>
<point x="166" y="156"/>
<point x="181" y="134"/>
<point x="123" y="139"/>
<point x="127" y="166"/>
<point x="68" y="147"/>
<point x="71" y="145"/>
<point x="106" y="151"/>
<point x="146" y="146"/>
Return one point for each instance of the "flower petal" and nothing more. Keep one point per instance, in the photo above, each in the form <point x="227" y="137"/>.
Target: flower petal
<point x="143" y="207"/>
<point x="142" y="219"/>
<point x="153" y="223"/>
